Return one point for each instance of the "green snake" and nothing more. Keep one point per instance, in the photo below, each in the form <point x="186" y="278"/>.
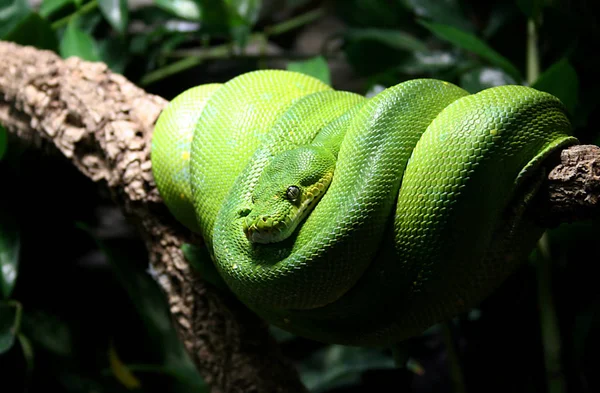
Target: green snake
<point x="353" y="220"/>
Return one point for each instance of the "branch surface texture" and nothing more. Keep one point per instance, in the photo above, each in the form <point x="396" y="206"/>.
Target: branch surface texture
<point x="103" y="124"/>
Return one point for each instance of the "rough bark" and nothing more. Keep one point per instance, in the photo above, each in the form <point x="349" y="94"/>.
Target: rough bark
<point x="572" y="190"/>
<point x="103" y="124"/>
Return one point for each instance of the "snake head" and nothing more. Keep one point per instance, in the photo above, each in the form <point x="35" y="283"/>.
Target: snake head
<point x="287" y="190"/>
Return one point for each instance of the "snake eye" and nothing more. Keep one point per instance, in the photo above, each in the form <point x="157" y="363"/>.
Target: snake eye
<point x="292" y="193"/>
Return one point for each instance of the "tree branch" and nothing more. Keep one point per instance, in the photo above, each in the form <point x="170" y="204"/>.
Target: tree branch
<point x="103" y="124"/>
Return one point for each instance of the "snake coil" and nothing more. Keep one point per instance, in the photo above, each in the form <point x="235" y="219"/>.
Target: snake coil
<point x="352" y="220"/>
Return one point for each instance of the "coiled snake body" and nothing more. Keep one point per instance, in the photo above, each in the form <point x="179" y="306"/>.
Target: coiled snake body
<point x="352" y="220"/>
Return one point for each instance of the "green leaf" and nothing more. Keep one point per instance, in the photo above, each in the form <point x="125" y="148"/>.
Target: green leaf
<point x="473" y="44"/>
<point x="393" y="38"/>
<point x="27" y="350"/>
<point x="48" y="331"/>
<point x="243" y="14"/>
<point x="10" y="247"/>
<point x="447" y="12"/>
<point x="114" y="53"/>
<point x="248" y="10"/>
<point x="3" y="141"/>
<point x="76" y="42"/>
<point x="561" y="80"/>
<point x="187" y="9"/>
<point x="316" y="67"/>
<point x="215" y="16"/>
<point x="35" y="31"/>
<point x="336" y="366"/>
<point x="151" y="305"/>
<point x="11" y="13"/>
<point x="484" y="77"/>
<point x="48" y="7"/>
<point x="116" y="13"/>
<point x="10" y="314"/>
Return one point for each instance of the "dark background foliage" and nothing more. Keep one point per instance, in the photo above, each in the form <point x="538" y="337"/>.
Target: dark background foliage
<point x="79" y="310"/>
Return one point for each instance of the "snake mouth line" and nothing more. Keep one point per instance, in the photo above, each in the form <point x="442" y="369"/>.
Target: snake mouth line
<point x="266" y="230"/>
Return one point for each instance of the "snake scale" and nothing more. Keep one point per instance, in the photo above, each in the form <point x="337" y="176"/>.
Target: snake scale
<point x="353" y="220"/>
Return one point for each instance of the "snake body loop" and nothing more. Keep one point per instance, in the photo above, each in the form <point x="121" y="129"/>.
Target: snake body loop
<point x="352" y="220"/>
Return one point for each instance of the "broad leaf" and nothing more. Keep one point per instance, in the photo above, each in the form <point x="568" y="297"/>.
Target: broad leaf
<point x="49" y="332"/>
<point x="35" y="31"/>
<point x="336" y="366"/>
<point x="116" y="13"/>
<point x="12" y="12"/>
<point x="121" y="371"/>
<point x="248" y="10"/>
<point x="215" y="16"/>
<point x="242" y="14"/>
<point x="76" y="42"/>
<point x="561" y="80"/>
<point x="150" y="303"/>
<point x="316" y="67"/>
<point x="447" y="12"/>
<point x="9" y="324"/>
<point x="187" y="9"/>
<point x="114" y="53"/>
<point x="10" y="246"/>
<point x="48" y="7"/>
<point x="473" y="44"/>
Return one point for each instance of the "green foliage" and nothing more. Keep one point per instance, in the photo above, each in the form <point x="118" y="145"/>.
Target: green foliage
<point x="48" y="7"/>
<point x="150" y="303"/>
<point x="76" y="42"/>
<point x="127" y="337"/>
<point x="9" y="324"/>
<point x="561" y="80"/>
<point x="12" y="12"/>
<point x="116" y="13"/>
<point x="10" y="245"/>
<point x="316" y="67"/>
<point x="188" y="9"/>
<point x="448" y="12"/>
<point x="472" y="44"/>
<point x="337" y="366"/>
<point x="33" y="30"/>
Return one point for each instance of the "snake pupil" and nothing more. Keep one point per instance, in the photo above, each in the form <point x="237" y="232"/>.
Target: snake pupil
<point x="292" y="193"/>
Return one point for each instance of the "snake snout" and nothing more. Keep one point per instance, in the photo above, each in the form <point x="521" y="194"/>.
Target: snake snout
<point x="263" y="229"/>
